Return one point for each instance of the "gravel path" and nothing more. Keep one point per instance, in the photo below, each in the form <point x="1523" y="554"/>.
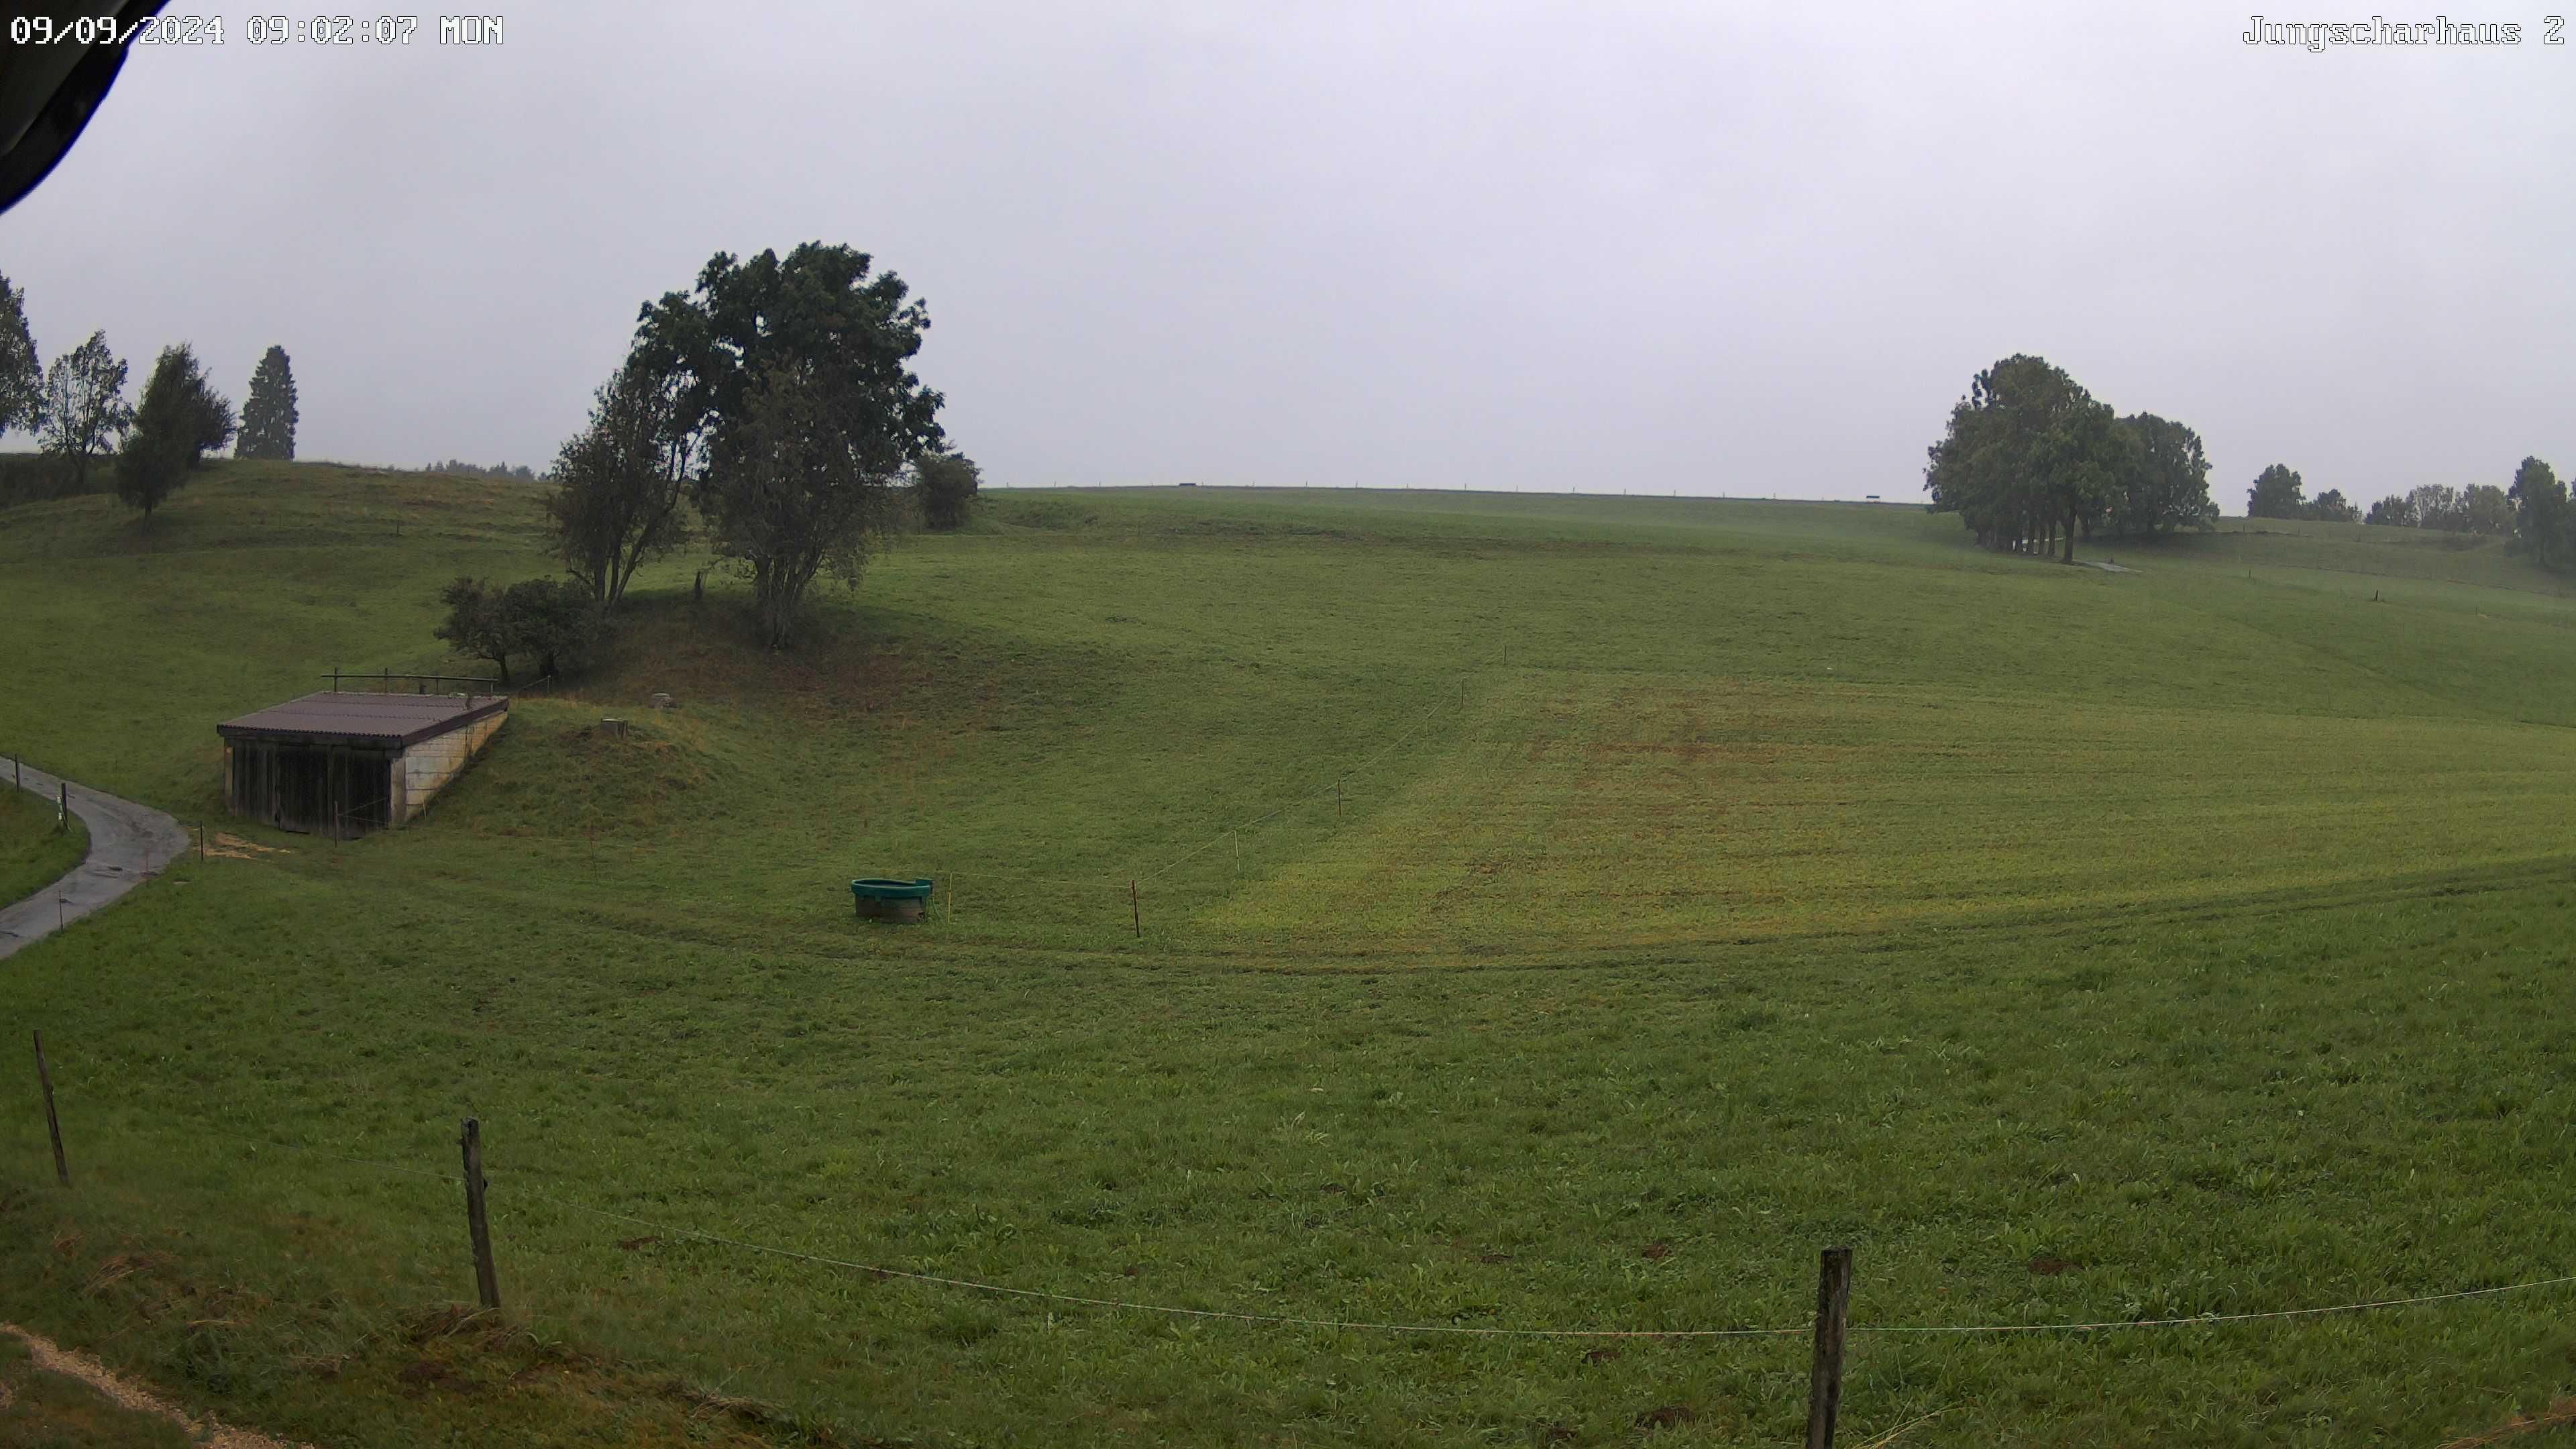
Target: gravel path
<point x="128" y="845"/>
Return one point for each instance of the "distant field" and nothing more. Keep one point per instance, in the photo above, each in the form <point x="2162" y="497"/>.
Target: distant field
<point x="1555" y="911"/>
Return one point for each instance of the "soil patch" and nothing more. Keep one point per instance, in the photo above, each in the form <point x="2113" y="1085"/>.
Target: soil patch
<point x="98" y="1376"/>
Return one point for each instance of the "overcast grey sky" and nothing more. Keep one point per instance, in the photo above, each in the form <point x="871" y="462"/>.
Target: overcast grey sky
<point x="1707" y="247"/>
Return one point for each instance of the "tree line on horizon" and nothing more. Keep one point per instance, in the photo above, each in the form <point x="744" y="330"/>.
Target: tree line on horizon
<point x="769" y="413"/>
<point x="520" y="473"/>
<point x="77" y="410"/>
<point x="2030" y="461"/>
<point x="2530" y="513"/>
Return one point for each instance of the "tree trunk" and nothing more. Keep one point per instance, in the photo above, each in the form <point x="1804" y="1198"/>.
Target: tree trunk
<point x="2070" y="533"/>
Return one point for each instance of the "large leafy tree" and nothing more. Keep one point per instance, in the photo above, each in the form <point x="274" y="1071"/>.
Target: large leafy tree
<point x="2278" y="492"/>
<point x="181" y="417"/>
<point x="268" y="413"/>
<point x="2166" y="483"/>
<point x="798" y="373"/>
<point x="22" y="376"/>
<point x="804" y="490"/>
<point x="619" y="481"/>
<point x="84" y="412"/>
<point x="2540" y="511"/>
<point x="2028" y="457"/>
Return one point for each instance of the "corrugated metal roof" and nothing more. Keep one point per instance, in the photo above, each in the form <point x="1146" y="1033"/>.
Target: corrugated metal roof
<point x="379" y="719"/>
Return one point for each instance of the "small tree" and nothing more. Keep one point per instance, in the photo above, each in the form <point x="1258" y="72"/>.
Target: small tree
<point x="474" y="626"/>
<point x="268" y="413"/>
<point x="22" y="376"/>
<point x="2278" y="492"/>
<point x="553" y="621"/>
<point x="180" y="417"/>
<point x="945" y="485"/>
<point x="2331" y="507"/>
<point x="84" y="411"/>
<point x="619" y="481"/>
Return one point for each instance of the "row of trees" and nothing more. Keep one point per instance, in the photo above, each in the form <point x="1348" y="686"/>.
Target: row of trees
<point x="2479" y="508"/>
<point x="76" y="407"/>
<point x="522" y="473"/>
<point x="2279" y="492"/>
<point x="771" y="412"/>
<point x="2030" y="459"/>
<point x="2533" y="511"/>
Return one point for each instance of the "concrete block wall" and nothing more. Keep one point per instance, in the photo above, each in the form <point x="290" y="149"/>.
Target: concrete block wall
<point x="425" y="768"/>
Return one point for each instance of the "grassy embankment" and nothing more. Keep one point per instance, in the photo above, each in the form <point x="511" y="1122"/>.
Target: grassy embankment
<point x="34" y="851"/>
<point x="1558" y="911"/>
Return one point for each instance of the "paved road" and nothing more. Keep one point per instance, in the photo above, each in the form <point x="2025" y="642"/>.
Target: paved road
<point x="128" y="845"/>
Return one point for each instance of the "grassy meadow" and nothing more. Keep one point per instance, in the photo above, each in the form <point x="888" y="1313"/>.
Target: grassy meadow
<point x="1556" y="912"/>
<point x="34" y="851"/>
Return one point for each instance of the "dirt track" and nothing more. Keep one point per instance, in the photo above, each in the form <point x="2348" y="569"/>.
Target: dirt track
<point x="90" y="1371"/>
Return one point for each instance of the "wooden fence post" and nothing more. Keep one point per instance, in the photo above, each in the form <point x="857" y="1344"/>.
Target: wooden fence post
<point x="487" y="1282"/>
<point x="1825" y="1381"/>
<point x="53" y="1124"/>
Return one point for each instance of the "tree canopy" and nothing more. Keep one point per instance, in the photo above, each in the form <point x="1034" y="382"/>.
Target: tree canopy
<point x="181" y="418"/>
<point x="2164" y="483"/>
<point x="22" y="375"/>
<point x="550" y="621"/>
<point x="619" y="481"/>
<point x="2540" y="520"/>
<point x="2478" y="508"/>
<point x="795" y="376"/>
<point x="2278" y="492"/>
<point x="946" y="485"/>
<point x="268" y="413"/>
<point x="84" y="412"/>
<point x="2028" y="456"/>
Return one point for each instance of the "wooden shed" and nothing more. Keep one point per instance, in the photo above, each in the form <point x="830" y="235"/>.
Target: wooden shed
<point x="344" y="763"/>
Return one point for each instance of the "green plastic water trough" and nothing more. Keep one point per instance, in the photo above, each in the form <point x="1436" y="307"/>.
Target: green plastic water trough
<point x="890" y="900"/>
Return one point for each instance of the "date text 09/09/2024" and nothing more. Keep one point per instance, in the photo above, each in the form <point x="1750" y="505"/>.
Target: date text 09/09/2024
<point x="257" y="30"/>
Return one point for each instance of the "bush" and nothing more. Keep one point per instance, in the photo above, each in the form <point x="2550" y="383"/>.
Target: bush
<point x="946" y="484"/>
<point x="553" y="621"/>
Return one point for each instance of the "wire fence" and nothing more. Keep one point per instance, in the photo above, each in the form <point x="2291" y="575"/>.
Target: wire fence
<point x="1825" y="1334"/>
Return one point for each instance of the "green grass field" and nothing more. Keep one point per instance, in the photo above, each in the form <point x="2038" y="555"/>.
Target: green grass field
<point x="33" y="852"/>
<point x="1557" y="912"/>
